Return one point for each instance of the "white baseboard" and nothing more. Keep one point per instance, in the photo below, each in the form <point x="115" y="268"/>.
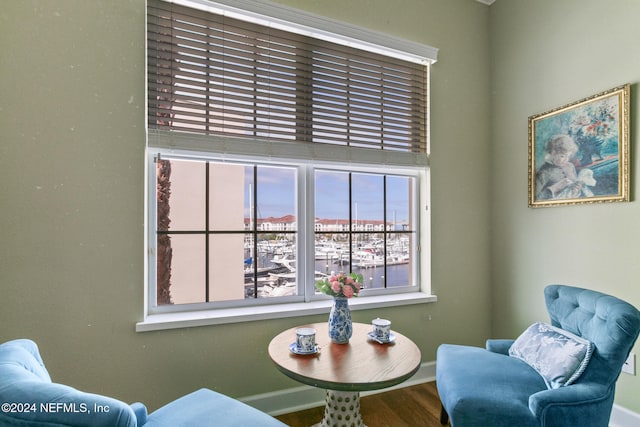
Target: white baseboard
<point x="305" y="397"/>
<point x="622" y="417"/>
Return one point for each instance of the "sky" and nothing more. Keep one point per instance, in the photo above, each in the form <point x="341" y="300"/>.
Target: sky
<point x="276" y="194"/>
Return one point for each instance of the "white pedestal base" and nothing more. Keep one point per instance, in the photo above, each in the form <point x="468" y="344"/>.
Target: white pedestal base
<point x="342" y="409"/>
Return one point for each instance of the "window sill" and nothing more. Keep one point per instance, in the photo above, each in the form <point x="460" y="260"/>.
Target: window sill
<point x="156" y="322"/>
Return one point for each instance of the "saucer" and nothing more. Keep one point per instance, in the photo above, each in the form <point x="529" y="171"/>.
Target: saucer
<point x="294" y="349"/>
<point x="392" y="338"/>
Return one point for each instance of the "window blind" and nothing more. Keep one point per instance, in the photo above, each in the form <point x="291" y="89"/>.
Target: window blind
<point x="211" y="74"/>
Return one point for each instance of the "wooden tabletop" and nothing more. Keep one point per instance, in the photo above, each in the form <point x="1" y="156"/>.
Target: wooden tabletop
<point x="360" y="365"/>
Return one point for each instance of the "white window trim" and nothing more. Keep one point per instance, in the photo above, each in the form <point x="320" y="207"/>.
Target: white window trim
<point x="181" y="318"/>
<point x="306" y="23"/>
<point x="190" y="319"/>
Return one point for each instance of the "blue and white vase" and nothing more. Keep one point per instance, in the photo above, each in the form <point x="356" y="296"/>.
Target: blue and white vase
<point x="340" y="325"/>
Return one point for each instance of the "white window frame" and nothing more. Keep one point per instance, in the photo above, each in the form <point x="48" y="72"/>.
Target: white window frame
<point x="196" y="146"/>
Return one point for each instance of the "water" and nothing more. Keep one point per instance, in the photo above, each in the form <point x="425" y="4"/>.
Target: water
<point x="373" y="276"/>
<point x="397" y="275"/>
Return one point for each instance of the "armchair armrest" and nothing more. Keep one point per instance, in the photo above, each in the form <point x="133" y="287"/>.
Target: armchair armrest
<point x="542" y="402"/>
<point x="499" y="346"/>
<point x="141" y="412"/>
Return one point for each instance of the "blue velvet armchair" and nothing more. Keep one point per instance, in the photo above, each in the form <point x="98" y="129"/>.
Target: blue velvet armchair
<point x="28" y="397"/>
<point x="509" y="384"/>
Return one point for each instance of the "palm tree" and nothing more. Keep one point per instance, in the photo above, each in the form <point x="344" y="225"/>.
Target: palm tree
<point x="164" y="251"/>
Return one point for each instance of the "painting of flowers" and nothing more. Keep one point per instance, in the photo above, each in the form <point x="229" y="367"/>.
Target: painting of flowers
<point x="579" y="153"/>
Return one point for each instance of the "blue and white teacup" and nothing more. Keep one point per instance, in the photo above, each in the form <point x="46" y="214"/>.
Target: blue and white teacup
<point x="306" y="340"/>
<point x="381" y="329"/>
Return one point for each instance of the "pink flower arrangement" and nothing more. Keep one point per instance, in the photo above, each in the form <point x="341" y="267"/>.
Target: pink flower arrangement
<point x="341" y="285"/>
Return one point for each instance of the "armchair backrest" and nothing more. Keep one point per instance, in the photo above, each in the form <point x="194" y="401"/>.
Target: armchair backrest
<point x="611" y="324"/>
<point x="20" y="359"/>
<point x="29" y="396"/>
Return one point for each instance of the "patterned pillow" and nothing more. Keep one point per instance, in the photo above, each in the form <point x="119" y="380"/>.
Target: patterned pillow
<point x="560" y="357"/>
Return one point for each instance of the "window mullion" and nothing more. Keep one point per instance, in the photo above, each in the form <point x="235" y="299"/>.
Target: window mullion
<point x="306" y="231"/>
<point x="385" y="235"/>
<point x="207" y="232"/>
<point x="254" y="231"/>
<point x="352" y="227"/>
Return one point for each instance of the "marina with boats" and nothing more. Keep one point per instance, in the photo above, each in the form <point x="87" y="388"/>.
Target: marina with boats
<point x="275" y="270"/>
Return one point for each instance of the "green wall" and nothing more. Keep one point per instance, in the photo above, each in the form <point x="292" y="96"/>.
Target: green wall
<point x="72" y="139"/>
<point x="72" y="120"/>
<point x="545" y="54"/>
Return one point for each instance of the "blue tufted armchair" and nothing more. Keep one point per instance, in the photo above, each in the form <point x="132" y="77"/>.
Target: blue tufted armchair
<point x="28" y="397"/>
<point x="507" y="386"/>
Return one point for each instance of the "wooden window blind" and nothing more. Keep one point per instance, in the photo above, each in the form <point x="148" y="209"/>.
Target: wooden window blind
<point x="216" y="75"/>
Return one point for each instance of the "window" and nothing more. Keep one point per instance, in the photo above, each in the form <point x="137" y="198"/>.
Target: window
<point x="213" y="244"/>
<point x="365" y="223"/>
<point x="277" y="157"/>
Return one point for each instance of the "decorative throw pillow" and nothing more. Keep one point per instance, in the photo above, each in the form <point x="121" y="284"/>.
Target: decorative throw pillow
<point x="560" y="357"/>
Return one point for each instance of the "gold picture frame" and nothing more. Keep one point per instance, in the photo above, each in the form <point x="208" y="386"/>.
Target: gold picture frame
<point x="579" y="153"/>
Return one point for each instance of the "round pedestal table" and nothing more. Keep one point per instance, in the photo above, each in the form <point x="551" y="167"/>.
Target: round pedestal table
<point x="345" y="370"/>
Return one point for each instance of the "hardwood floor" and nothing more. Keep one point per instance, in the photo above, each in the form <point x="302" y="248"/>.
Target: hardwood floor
<point x="414" y="406"/>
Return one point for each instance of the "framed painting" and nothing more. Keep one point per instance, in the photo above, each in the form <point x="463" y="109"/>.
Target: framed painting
<point x="579" y="153"/>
